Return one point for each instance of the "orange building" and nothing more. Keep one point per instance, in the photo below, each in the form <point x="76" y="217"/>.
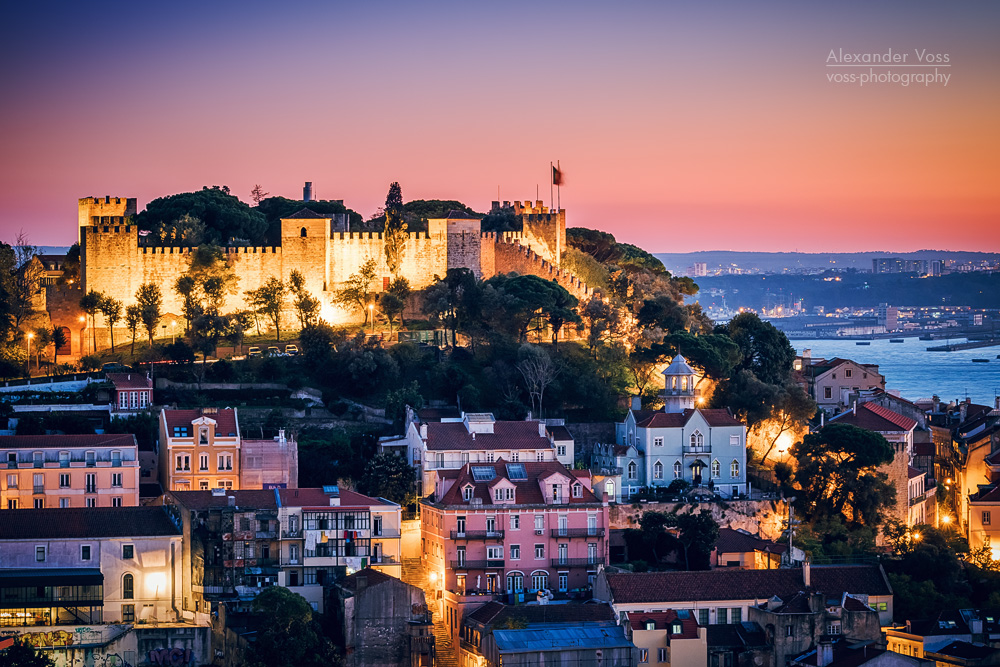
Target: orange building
<point x="199" y="449"/>
<point x="69" y="471"/>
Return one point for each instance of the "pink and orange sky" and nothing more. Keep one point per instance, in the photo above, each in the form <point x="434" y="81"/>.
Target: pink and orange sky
<point x="680" y="126"/>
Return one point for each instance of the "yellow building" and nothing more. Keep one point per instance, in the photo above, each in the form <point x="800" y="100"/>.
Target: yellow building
<point x="669" y="638"/>
<point x="69" y="471"/>
<point x="199" y="449"/>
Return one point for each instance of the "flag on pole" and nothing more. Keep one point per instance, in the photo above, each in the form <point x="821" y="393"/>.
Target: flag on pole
<point x="557" y="176"/>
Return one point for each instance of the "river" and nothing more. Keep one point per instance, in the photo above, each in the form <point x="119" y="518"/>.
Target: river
<point x="916" y="373"/>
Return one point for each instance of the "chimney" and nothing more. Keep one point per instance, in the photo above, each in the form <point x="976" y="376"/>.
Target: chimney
<point x="807" y="353"/>
<point x="637" y="402"/>
<point x="824" y="652"/>
<point x="541" y="429"/>
<point x="231" y="500"/>
<point x="855" y="408"/>
<point x="822" y="418"/>
<point x="806" y="574"/>
<point x="473" y="436"/>
<point x="281" y="435"/>
<point x="307" y="191"/>
<point x="423" y="431"/>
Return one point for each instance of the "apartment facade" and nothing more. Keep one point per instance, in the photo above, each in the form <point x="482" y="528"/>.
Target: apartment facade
<point x="199" y="449"/>
<point x="133" y="392"/>
<point x="512" y="529"/>
<point x="67" y="471"/>
<point x="239" y="542"/>
<point x="832" y="381"/>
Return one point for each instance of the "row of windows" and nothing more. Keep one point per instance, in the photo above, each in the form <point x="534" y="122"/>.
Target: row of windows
<point x="182" y="463"/>
<point x="133" y="399"/>
<point x="39" y="503"/>
<point x="496" y="552"/>
<point x="734" y="470"/>
<point x="663" y="655"/>
<point x="42" y="552"/>
<point x="90" y="481"/>
<point x="89" y="458"/>
<point x="696" y="440"/>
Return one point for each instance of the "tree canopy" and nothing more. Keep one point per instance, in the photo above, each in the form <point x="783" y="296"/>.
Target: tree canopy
<point x="225" y="217"/>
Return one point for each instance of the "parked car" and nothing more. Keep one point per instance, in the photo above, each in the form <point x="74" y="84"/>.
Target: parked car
<point x="273" y="351"/>
<point x="253" y="352"/>
<point x="114" y="367"/>
<point x="291" y="350"/>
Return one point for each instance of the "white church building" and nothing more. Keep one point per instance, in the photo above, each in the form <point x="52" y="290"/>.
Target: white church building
<point x="704" y="447"/>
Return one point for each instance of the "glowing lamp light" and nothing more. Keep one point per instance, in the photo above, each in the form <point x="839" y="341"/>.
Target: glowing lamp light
<point x="995" y="553"/>
<point x="155" y="583"/>
<point x="946" y="519"/>
<point x="434" y="577"/>
<point x="30" y="336"/>
<point x="916" y="537"/>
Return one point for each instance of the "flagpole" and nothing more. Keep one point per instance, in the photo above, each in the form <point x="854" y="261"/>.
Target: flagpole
<point x="551" y="185"/>
<point x="559" y="188"/>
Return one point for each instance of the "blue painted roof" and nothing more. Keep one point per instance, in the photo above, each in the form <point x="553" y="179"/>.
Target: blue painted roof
<point x="561" y="636"/>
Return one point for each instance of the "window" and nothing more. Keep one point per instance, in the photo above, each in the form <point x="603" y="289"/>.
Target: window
<point x="128" y="587"/>
<point x="225" y="461"/>
<point x="467" y="493"/>
<point x="986" y="518"/>
<point x="39" y="503"/>
<point x="833" y="628"/>
<point x="539" y="456"/>
<point x="848" y="373"/>
<point x="716" y="469"/>
<point x="143" y="399"/>
<point x="63" y="459"/>
<point x="91" y="483"/>
<point x="883" y="606"/>
<point x="658" y="442"/>
<point x="515" y="457"/>
<point x="539" y="551"/>
<point x="734" y="441"/>
<point x="556" y="495"/>
<point x="722" y="616"/>
<point x="657" y="470"/>
<point x="662" y="655"/>
<point x="91" y="502"/>
<point x="697" y="439"/>
<point x="63" y="503"/>
<point x="11" y="504"/>
<point x="128" y="551"/>
<point x="460" y="555"/>
<point x="702" y="617"/>
<point x="515" y="522"/>
<point x="644" y="655"/>
<point x="203" y="462"/>
<point x="203" y="484"/>
<point x="737" y="615"/>
<point x="12" y="481"/>
<point x="789" y="630"/>
<point x="116" y="459"/>
<point x="678" y="471"/>
<point x="539" y="523"/>
<point x="183" y="462"/>
<point x="650" y="625"/>
<point x="128" y="613"/>
<point x="494" y="553"/>
<point x="515" y="552"/>
<point x="37" y="459"/>
<point x="734" y="469"/>
<point x="116" y="501"/>
<point x="40" y="554"/>
<point x="539" y="580"/>
<point x="85" y="552"/>
<point x="490" y="457"/>
<point x="609" y="489"/>
<point x="123" y="400"/>
<point x="116" y="479"/>
<point x="91" y="459"/>
<point x="203" y="436"/>
<point x="578" y="491"/>
<point x="632" y="470"/>
<point x="827" y="393"/>
<point x="561" y="450"/>
<point x="563" y="581"/>
<point x="39" y="486"/>
<point x="498" y="494"/>
<point x="64" y="480"/>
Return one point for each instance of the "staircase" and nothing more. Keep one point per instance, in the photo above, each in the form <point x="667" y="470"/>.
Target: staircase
<point x="445" y="650"/>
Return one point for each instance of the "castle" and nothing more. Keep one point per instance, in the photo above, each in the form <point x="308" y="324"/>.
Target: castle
<point x="113" y="260"/>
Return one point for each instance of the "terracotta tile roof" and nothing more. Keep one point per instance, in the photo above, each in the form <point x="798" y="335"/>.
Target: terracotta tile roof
<point x="663" y="620"/>
<point x="306" y="214"/>
<point x="734" y="541"/>
<point x="374" y="578"/>
<point x="526" y="491"/>
<point x="724" y="584"/>
<point x="640" y="415"/>
<point x="738" y="636"/>
<point x="85" y="522"/>
<point x="845" y="655"/>
<point x="852" y="603"/>
<point x="225" y="420"/>
<point x="794" y="604"/>
<point x="130" y="381"/>
<point x="875" y="418"/>
<point x="249" y="499"/>
<point x="714" y="417"/>
<point x="458" y="214"/>
<point x="506" y="435"/>
<point x="991" y="495"/>
<point x="67" y="441"/>
<point x="913" y="473"/>
<point x="967" y="651"/>
<point x="318" y="498"/>
<point x="495" y="612"/>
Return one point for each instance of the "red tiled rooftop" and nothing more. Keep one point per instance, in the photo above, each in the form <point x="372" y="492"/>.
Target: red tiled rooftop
<point x="912" y="472"/>
<point x="733" y="541"/>
<point x="123" y="381"/>
<point x="52" y="441"/>
<point x="450" y="436"/>
<point x="248" y="499"/>
<point x="714" y="417"/>
<point x="85" y="522"/>
<point x="875" y="418"/>
<point x="224" y="418"/>
<point x="316" y="497"/>
<point x="527" y="491"/>
<point x="663" y="620"/>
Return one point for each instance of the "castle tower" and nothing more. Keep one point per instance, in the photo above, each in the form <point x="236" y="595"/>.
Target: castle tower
<point x="679" y="392"/>
<point x="95" y="211"/>
<point x="305" y="246"/>
<point x="464" y="235"/>
<point x="108" y="245"/>
<point x="542" y="229"/>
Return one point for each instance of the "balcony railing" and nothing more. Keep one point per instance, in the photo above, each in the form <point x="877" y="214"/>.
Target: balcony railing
<point x="577" y="532"/>
<point x="477" y="535"/>
<point x="916" y="500"/>
<point x="384" y="560"/>
<point x="577" y="562"/>
<point x="292" y="534"/>
<point x="697" y="449"/>
<point x="497" y="564"/>
<point x="38" y="488"/>
<point x="386" y="535"/>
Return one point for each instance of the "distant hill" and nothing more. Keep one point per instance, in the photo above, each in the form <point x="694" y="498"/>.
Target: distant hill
<point x="776" y="262"/>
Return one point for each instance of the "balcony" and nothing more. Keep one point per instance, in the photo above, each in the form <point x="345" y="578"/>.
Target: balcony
<point x="266" y="535"/>
<point x="38" y="489"/>
<point x="577" y="532"/>
<point x="292" y="534"/>
<point x="476" y="564"/>
<point x="577" y="562"/>
<point x="916" y="500"/>
<point x="387" y="535"/>
<point x="697" y="449"/>
<point x="384" y="560"/>
<point x="477" y="535"/>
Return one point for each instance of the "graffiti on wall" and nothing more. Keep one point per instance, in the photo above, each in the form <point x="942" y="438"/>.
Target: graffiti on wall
<point x="171" y="657"/>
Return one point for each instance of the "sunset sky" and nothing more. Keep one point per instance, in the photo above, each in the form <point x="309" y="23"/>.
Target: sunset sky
<point x="680" y="126"/>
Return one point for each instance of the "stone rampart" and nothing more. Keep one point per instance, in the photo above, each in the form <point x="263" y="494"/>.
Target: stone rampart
<point x="516" y="258"/>
<point x="765" y="517"/>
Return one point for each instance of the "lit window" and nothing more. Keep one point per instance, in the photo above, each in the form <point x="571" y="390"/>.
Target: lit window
<point x="657" y="470"/>
<point x="128" y="587"/>
<point x="716" y="469"/>
<point x="734" y="469"/>
<point x="657" y="442"/>
<point x="677" y="469"/>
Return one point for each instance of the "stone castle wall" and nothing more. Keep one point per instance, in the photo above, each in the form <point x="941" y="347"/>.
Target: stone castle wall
<point x="114" y="262"/>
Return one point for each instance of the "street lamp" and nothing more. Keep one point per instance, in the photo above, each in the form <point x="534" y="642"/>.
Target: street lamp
<point x="371" y="315"/>
<point x="173" y="332"/>
<point x="83" y="338"/>
<point x="30" y="336"/>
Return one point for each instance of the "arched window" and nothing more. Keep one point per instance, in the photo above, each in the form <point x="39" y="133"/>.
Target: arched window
<point x="302" y="232"/>
<point x="515" y="582"/>
<point x="734" y="469"/>
<point x="697" y="439"/>
<point x="539" y="580"/>
<point x="631" y="470"/>
<point x="609" y="489"/>
<point x="716" y="469"/>
<point x="684" y="383"/>
<point x="677" y="469"/>
<point x="658" y="470"/>
<point x="128" y="587"/>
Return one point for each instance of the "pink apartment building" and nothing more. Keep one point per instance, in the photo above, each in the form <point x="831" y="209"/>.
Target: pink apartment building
<point x="510" y="530"/>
